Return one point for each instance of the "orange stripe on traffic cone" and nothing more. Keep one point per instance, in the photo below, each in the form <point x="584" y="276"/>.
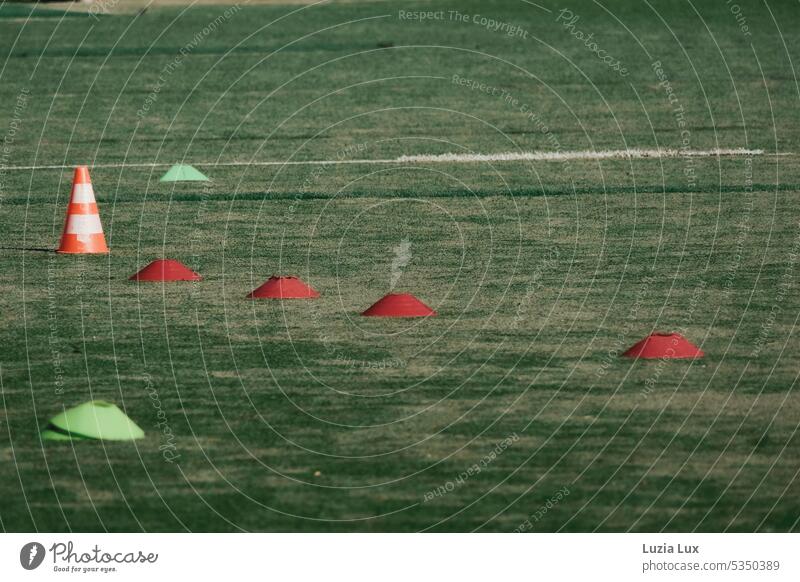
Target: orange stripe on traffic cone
<point x="83" y="233"/>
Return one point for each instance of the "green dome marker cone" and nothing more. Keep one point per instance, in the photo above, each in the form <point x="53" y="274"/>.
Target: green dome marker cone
<point x="93" y="420"/>
<point x="183" y="173"/>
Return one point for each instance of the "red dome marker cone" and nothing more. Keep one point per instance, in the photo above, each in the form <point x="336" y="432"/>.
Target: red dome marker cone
<point x="283" y="288"/>
<point x="664" y="345"/>
<point x="166" y="270"/>
<point x="399" y="305"/>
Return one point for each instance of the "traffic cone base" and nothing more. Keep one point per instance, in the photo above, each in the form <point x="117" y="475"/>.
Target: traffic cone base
<point x="664" y="346"/>
<point x="92" y="420"/>
<point x="183" y="173"/>
<point x="166" y="270"/>
<point x="83" y="231"/>
<point x="399" y="305"/>
<point x="289" y="287"/>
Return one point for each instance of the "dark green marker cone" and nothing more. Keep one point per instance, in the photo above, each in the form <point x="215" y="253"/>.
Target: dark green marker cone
<point x="183" y="173"/>
<point x="92" y="420"/>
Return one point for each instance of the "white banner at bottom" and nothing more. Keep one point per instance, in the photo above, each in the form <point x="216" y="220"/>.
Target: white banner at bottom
<point x="400" y="557"/>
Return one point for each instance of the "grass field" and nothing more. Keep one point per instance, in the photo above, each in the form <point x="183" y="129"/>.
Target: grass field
<point x="508" y="411"/>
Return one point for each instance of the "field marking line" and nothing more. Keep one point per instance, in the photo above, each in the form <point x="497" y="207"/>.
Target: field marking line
<point x="633" y="153"/>
<point x="535" y="156"/>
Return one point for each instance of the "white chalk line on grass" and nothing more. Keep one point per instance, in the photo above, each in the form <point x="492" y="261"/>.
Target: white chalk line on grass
<point x="634" y="153"/>
<point x="535" y="156"/>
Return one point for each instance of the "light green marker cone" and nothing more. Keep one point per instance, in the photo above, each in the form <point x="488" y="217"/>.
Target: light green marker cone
<point x="94" y="420"/>
<point x="183" y="173"/>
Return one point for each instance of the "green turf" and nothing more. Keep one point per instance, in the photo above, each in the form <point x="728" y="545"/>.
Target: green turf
<point x="301" y="416"/>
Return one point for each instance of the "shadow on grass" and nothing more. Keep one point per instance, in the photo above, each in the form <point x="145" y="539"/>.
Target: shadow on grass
<point x="31" y="249"/>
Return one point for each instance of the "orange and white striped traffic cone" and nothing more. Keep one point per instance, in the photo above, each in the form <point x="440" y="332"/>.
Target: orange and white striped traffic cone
<point x="83" y="233"/>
